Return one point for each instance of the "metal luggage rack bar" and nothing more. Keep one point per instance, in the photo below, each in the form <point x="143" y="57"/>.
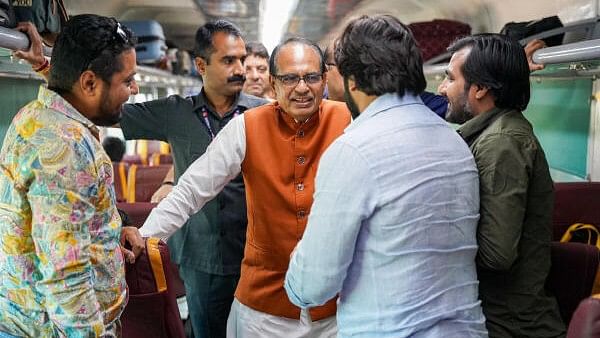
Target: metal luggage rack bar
<point x="147" y="76"/>
<point x="572" y="52"/>
<point x="15" y="40"/>
<point x="572" y="60"/>
<point x="578" y="59"/>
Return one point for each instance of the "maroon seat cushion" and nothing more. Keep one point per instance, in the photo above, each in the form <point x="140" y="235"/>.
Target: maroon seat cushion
<point x="571" y="277"/>
<point x="575" y="203"/>
<point x="586" y="320"/>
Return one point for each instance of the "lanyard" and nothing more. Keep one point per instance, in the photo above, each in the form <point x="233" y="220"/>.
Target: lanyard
<point x="207" y="121"/>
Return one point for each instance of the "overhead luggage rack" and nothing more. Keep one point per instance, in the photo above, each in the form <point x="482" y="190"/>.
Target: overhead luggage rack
<point x="578" y="59"/>
<point x="573" y="59"/>
<point x="146" y="76"/>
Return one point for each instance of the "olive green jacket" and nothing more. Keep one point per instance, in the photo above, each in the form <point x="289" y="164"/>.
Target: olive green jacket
<point x="514" y="231"/>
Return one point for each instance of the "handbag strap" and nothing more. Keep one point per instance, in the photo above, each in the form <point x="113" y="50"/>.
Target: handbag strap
<point x="581" y="226"/>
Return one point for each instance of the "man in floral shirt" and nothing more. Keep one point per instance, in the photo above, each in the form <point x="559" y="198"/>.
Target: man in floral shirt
<point x="61" y="265"/>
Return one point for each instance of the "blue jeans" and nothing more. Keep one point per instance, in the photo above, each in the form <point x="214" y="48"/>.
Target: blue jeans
<point x="209" y="299"/>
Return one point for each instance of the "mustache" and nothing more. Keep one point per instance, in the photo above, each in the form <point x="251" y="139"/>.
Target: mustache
<point x="236" y="78"/>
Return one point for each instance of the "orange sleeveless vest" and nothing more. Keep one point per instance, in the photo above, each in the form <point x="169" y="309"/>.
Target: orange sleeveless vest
<point x="279" y="173"/>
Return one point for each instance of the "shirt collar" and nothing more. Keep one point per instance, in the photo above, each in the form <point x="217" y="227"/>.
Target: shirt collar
<point x="472" y="128"/>
<point x="383" y="103"/>
<point x="52" y="100"/>
<point x="242" y="100"/>
<point x="294" y="125"/>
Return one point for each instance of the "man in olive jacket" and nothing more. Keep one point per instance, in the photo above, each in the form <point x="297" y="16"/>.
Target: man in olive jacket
<point x="487" y="86"/>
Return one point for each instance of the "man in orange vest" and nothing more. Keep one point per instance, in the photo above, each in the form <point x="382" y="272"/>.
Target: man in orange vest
<point x="277" y="148"/>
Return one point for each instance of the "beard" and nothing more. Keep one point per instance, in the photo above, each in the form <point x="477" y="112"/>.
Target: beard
<point x="350" y="103"/>
<point x="108" y="115"/>
<point x="109" y="120"/>
<point x="459" y="111"/>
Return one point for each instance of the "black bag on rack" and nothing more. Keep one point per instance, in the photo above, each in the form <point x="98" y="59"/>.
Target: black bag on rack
<point x="48" y="16"/>
<point x="7" y="14"/>
<point x="521" y="30"/>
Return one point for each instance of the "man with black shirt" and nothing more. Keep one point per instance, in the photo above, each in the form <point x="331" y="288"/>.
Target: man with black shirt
<point x="209" y="249"/>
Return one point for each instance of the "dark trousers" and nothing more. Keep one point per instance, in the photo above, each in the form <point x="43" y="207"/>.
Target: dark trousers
<point x="209" y="299"/>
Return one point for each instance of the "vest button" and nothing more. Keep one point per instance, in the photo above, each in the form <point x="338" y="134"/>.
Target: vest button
<point x="300" y="133"/>
<point x="301" y="214"/>
<point x="301" y="160"/>
<point x="300" y="186"/>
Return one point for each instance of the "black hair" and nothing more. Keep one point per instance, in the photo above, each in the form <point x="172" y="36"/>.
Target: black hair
<point x="257" y="49"/>
<point x="114" y="148"/>
<point x="298" y="40"/>
<point x="328" y="53"/>
<point x="499" y="63"/>
<point x="88" y="41"/>
<point x="381" y="55"/>
<point x="204" y="37"/>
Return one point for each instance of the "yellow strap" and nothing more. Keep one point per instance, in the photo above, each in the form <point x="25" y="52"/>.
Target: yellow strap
<point x="156" y="263"/>
<point x="155" y="159"/>
<point x="165" y="148"/>
<point x="123" y="179"/>
<point x="142" y="150"/>
<point x="131" y="184"/>
<point x="581" y="226"/>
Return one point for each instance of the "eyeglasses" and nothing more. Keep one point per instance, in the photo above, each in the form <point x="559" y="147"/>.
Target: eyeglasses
<point x="120" y="33"/>
<point x="292" y="80"/>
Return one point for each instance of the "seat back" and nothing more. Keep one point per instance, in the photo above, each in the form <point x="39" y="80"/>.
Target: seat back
<point x="158" y="159"/>
<point x="575" y="203"/>
<point x="146" y="148"/>
<point x="586" y="319"/>
<point x="132" y="159"/>
<point x="571" y="277"/>
<point x="152" y="309"/>
<point x="143" y="181"/>
<point x="137" y="212"/>
<point x="120" y="173"/>
<point x="434" y="37"/>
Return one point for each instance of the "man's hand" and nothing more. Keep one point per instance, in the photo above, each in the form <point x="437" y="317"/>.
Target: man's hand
<point x="35" y="54"/>
<point x="161" y="193"/>
<point x="530" y="48"/>
<point x="132" y="236"/>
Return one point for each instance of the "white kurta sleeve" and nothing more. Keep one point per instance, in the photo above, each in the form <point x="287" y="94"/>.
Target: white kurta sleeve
<point x="201" y="182"/>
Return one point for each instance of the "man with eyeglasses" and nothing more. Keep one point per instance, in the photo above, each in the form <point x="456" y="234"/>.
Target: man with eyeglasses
<point x="277" y="148"/>
<point x="61" y="264"/>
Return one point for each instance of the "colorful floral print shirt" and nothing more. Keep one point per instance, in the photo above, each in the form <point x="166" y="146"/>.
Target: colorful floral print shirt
<point x="61" y="267"/>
